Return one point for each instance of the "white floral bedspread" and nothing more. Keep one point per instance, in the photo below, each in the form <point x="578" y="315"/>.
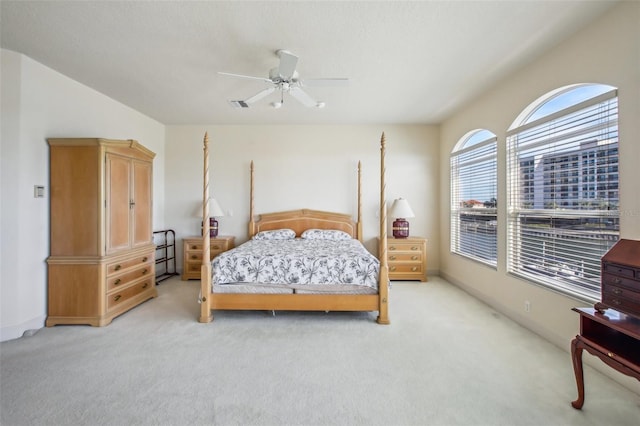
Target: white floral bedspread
<point x="297" y="262"/>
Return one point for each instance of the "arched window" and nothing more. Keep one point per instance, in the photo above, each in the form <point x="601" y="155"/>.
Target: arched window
<point x="474" y="197"/>
<point x="562" y="185"/>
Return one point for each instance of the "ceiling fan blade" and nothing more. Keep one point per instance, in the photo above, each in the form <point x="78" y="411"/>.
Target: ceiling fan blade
<point x="245" y="76"/>
<point x="260" y="95"/>
<point x="325" y="82"/>
<point x="302" y="96"/>
<point x="288" y="62"/>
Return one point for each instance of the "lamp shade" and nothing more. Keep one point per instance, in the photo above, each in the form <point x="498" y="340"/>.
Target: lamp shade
<point x="401" y="209"/>
<point x="214" y="209"/>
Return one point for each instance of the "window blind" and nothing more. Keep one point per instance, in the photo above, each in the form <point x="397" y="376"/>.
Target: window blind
<point x="474" y="201"/>
<point x="563" y="200"/>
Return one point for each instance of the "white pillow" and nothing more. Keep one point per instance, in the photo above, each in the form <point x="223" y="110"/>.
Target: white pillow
<point x="325" y="234"/>
<point x="276" y="234"/>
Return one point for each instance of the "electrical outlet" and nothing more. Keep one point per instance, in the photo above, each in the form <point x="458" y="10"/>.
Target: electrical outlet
<point x="527" y="306"/>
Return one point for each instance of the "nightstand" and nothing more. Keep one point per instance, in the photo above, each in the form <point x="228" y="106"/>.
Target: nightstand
<point x="192" y="253"/>
<point x="407" y="258"/>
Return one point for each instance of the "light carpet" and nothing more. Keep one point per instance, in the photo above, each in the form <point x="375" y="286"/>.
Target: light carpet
<point x="446" y="359"/>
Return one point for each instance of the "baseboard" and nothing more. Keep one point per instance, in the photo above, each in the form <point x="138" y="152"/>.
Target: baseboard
<point x="19" y="330"/>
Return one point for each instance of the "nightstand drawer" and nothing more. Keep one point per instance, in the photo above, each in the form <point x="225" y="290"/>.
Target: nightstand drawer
<point x="194" y="256"/>
<point x="405" y="257"/>
<point x="195" y="246"/>
<point x="215" y="247"/>
<point x="404" y="246"/>
<point x="192" y="268"/>
<point x="404" y="268"/>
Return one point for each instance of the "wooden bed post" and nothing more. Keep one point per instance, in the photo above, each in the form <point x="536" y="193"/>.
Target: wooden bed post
<point x="205" y="270"/>
<point x="252" y="222"/>
<point x="359" y="224"/>
<point x="383" y="312"/>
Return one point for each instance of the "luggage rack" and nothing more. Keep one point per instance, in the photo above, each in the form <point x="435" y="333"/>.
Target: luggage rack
<point x="165" y="242"/>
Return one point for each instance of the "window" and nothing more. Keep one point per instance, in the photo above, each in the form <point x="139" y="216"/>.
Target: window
<point x="473" y="197"/>
<point x="562" y="185"/>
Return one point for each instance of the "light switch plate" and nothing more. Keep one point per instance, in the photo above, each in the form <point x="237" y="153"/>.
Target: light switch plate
<point x="38" y="191"/>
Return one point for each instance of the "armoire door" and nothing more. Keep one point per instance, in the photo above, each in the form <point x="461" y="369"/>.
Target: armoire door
<point x="119" y="203"/>
<point x="141" y="232"/>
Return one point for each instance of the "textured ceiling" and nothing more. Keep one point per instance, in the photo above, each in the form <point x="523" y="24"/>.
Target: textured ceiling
<point x="408" y="62"/>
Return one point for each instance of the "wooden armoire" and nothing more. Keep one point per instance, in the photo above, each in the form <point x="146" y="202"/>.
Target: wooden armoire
<point x="101" y="260"/>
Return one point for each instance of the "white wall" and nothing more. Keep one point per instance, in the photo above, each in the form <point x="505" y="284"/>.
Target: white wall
<point x="38" y="103"/>
<point x="303" y="167"/>
<point x="606" y="52"/>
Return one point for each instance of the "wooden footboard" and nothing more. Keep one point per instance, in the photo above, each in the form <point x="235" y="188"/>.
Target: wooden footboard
<point x="299" y="220"/>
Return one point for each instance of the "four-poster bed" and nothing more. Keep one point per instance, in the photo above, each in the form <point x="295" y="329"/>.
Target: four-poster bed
<point x="298" y="228"/>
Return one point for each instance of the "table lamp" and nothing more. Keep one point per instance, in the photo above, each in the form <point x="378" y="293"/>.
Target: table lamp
<point x="214" y="210"/>
<point x="401" y="210"/>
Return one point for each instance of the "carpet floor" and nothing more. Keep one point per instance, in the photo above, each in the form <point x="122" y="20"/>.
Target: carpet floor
<point x="446" y="359"/>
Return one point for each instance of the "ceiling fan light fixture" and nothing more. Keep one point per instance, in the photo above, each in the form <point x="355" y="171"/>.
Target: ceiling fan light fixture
<point x="320" y="105"/>
<point x="276" y="105"/>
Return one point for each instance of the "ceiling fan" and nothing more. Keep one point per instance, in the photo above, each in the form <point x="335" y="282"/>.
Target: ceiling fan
<point x="284" y="79"/>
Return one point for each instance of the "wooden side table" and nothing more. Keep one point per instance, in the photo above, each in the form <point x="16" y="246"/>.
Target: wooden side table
<point x="613" y="337"/>
<point x="407" y="258"/>
<point x="192" y="253"/>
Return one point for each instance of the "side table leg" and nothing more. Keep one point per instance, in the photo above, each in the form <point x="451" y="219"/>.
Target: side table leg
<point x="576" y="356"/>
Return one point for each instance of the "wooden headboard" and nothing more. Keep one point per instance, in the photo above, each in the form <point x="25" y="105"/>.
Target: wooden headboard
<point x="301" y="220"/>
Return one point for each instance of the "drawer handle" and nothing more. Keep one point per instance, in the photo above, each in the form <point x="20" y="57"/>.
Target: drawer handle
<point x="144" y="259"/>
<point x="616" y="302"/>
<point x="414" y="248"/>
<point x="194" y="247"/>
<point x="194" y="257"/>
<point x="392" y="248"/>
<point x="117" y="268"/>
<point x="392" y="258"/>
<point x="617" y="280"/>
<point x="116" y="297"/>
<point x="414" y="257"/>
<point x="145" y="285"/>
<point x="144" y="271"/>
<point x="611" y="354"/>
<point x="393" y="268"/>
<point x="215" y="247"/>
<point x="415" y="268"/>
<point x="116" y="282"/>
<point x="617" y="291"/>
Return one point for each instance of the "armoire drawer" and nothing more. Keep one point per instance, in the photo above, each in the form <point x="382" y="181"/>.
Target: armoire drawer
<point x="117" y="298"/>
<point x="120" y="266"/>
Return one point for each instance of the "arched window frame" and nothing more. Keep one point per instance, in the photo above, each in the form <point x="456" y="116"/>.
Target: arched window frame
<point x="473" y="222"/>
<point x="562" y="192"/>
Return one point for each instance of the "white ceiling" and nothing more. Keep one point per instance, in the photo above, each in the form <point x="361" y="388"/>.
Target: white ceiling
<point x="408" y="62"/>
